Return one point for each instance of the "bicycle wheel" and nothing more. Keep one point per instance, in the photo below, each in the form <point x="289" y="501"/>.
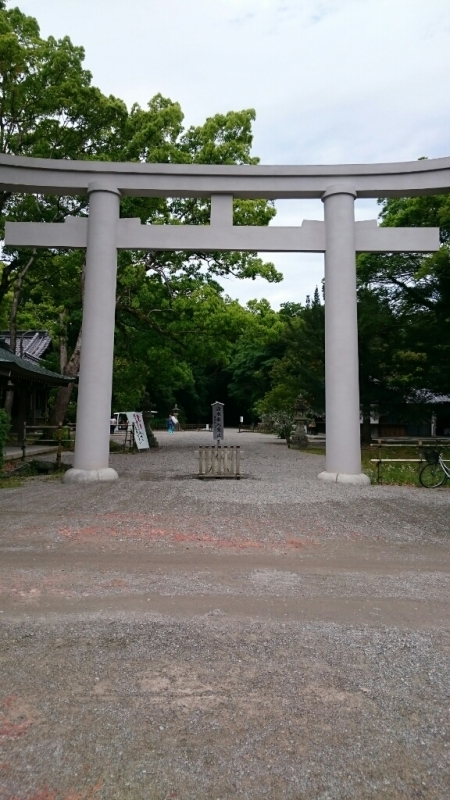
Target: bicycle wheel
<point x="432" y="476"/>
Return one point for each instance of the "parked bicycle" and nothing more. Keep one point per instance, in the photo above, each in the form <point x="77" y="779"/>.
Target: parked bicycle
<point x="435" y="472"/>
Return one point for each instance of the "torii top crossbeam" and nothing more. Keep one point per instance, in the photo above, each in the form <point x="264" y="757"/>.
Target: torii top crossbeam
<point x="401" y="179"/>
<point x="339" y="237"/>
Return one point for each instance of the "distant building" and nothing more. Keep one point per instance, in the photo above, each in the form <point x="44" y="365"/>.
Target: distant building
<point x="31" y="345"/>
<point x="425" y="414"/>
<point x="31" y="383"/>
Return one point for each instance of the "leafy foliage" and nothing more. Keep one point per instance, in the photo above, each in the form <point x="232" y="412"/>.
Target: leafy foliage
<point x="174" y="328"/>
<point x="290" y="359"/>
<point x="403" y="327"/>
<point x="281" y="421"/>
<point x="416" y="290"/>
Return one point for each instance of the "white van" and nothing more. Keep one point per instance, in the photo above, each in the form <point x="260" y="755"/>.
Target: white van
<point x="122" y="423"/>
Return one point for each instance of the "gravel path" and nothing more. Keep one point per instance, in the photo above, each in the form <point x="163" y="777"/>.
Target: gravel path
<point x="276" y="637"/>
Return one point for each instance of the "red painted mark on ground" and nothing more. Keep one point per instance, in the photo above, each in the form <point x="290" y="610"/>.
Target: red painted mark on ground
<point x="116" y="582"/>
<point x="50" y="794"/>
<point x="14" y="718"/>
<point x="296" y="543"/>
<point x="87" y="794"/>
<point x="7" y="702"/>
<point x="12" y="729"/>
<point x="138" y="527"/>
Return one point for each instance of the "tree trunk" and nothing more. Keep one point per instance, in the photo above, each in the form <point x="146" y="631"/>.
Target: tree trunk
<point x="65" y="392"/>
<point x="63" y="357"/>
<point x="9" y="397"/>
<point x="70" y="368"/>
<point x="13" y="322"/>
<point x="366" y="434"/>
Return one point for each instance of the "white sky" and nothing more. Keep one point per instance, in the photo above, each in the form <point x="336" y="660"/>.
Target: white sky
<point x="331" y="81"/>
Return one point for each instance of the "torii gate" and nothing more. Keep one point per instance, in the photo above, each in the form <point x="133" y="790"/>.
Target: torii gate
<point x="339" y="237"/>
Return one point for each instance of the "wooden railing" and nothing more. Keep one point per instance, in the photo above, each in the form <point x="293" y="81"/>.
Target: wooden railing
<point x="60" y="437"/>
<point x="420" y="444"/>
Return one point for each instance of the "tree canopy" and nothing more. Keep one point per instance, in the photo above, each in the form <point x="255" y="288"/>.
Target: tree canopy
<point x="168" y="304"/>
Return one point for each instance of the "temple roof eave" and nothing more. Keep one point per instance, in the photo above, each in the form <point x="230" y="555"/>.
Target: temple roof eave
<point x="13" y="366"/>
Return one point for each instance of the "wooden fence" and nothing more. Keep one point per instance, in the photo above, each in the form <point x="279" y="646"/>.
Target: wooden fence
<point x="219" y="462"/>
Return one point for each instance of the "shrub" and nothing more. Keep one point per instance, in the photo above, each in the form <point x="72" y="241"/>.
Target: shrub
<point x="281" y="422"/>
<point x="5" y="423"/>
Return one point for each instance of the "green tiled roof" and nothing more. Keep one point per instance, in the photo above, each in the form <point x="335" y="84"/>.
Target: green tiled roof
<point x="27" y="369"/>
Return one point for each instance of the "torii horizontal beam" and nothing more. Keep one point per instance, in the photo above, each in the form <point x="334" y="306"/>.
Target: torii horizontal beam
<point x="308" y="238"/>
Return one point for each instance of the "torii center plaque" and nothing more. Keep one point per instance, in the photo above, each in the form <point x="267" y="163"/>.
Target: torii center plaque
<point x="103" y="232"/>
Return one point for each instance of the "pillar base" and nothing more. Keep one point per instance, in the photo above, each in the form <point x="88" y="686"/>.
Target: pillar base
<point x="360" y="479"/>
<point x="90" y="475"/>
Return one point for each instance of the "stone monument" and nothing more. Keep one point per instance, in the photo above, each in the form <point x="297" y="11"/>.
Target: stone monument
<point x="299" y="439"/>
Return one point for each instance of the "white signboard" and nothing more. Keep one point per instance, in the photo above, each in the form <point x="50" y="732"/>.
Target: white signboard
<point x="217" y="421"/>
<point x="140" y="435"/>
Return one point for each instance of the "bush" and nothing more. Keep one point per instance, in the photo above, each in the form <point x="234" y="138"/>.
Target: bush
<point x="5" y="423"/>
<point x="281" y="422"/>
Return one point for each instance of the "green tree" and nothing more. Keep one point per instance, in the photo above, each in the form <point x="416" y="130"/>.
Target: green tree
<point x="49" y="108"/>
<point x="416" y="288"/>
<point x="383" y="381"/>
<point x="255" y="353"/>
<point x="301" y="368"/>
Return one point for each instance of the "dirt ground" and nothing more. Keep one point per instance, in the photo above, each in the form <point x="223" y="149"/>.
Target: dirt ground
<point x="164" y="637"/>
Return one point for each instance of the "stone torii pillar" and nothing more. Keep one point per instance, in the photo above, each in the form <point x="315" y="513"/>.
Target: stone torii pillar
<point x="91" y="457"/>
<point x="342" y="415"/>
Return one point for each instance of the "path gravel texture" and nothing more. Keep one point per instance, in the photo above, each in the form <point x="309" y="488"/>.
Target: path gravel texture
<point x="274" y="637"/>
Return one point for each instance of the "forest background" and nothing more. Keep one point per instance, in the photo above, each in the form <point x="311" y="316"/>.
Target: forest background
<point x="179" y="337"/>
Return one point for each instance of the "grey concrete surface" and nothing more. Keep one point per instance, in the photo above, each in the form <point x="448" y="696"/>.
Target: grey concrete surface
<point x="12" y="453"/>
<point x="163" y="637"/>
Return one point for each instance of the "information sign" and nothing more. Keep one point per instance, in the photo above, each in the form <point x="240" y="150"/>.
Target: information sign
<point x="140" y="435"/>
<point x="217" y="421"/>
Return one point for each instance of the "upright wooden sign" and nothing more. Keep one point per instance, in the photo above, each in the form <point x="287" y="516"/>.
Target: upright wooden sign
<point x="217" y="421"/>
<point x="140" y="436"/>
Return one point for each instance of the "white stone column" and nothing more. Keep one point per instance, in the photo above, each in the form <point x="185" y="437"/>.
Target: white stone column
<point x="91" y="460"/>
<point x="343" y="449"/>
